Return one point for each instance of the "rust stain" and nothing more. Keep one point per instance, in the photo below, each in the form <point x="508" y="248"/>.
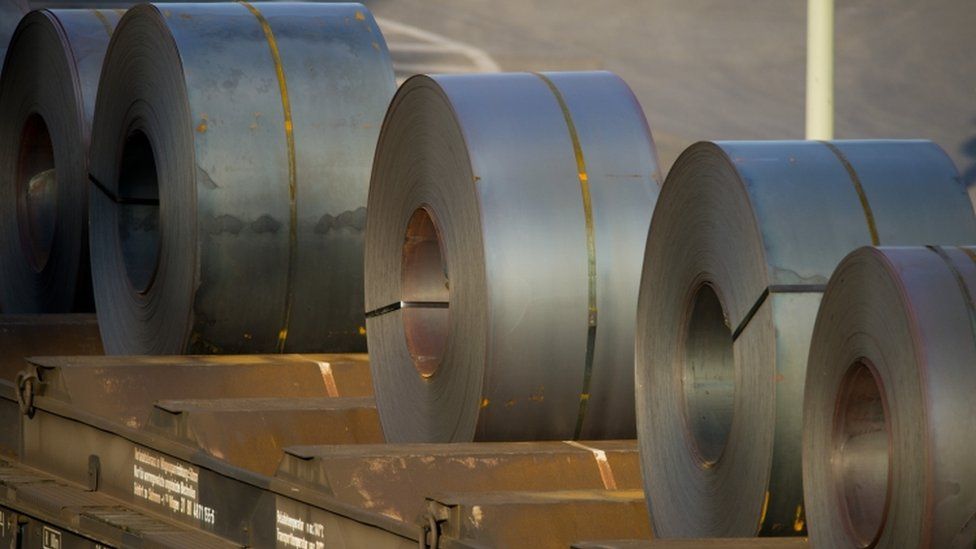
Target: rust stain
<point x="202" y="126"/>
<point x="362" y="330"/>
<point x="197" y="340"/>
<point x="765" y="507"/>
<point x="798" y="521"/>
<point x="484" y="403"/>
<point x="329" y="379"/>
<point x="376" y="46"/>
<point x="510" y="403"/>
<point x="360" y="16"/>
<point x="476" y="516"/>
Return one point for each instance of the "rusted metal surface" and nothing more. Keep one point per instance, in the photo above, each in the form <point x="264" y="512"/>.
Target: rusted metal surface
<point x="393" y="478"/>
<point x="712" y="543"/>
<point x="124" y="389"/>
<point x="53" y="513"/>
<point x="538" y="519"/>
<point x="151" y="473"/>
<point x="29" y="335"/>
<point x="252" y="432"/>
<point x="202" y="463"/>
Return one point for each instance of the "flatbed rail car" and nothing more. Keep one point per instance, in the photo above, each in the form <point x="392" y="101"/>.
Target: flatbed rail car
<point x="277" y="450"/>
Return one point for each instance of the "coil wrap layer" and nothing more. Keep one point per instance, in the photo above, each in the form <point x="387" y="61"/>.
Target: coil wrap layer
<point x="231" y="146"/>
<point x="503" y="254"/>
<point x="889" y="413"/>
<point x="47" y="98"/>
<point x="743" y="240"/>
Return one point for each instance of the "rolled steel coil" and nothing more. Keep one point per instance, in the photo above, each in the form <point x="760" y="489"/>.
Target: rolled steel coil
<point x="47" y="98"/>
<point x="503" y="253"/>
<point x="231" y="152"/>
<point x="743" y="240"/>
<point x="888" y="409"/>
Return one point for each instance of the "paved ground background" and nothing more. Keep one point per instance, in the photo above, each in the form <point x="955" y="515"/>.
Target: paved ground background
<point x="716" y="69"/>
<point x="735" y="69"/>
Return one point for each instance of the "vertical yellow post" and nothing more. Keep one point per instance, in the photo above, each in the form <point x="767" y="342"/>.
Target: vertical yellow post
<point x="820" y="69"/>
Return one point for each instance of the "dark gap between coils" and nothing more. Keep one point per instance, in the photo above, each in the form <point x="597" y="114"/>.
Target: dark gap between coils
<point x="407" y="305"/>
<point x="122" y="199"/>
<point x="775" y="289"/>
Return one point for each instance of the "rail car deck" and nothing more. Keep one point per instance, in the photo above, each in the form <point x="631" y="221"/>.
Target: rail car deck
<point x="272" y="450"/>
<point x="275" y="450"/>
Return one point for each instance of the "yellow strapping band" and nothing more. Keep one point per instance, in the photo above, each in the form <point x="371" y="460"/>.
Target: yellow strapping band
<point x="109" y="28"/>
<point x="292" y="176"/>
<point x="584" y="181"/>
<point x="856" y="181"/>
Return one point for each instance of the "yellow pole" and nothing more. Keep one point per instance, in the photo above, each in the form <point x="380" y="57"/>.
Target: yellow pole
<point x="820" y="69"/>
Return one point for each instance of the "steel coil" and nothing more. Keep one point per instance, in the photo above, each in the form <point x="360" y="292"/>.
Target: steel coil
<point x="743" y="240"/>
<point x="889" y="414"/>
<point x="503" y="255"/>
<point x="47" y="98"/>
<point x="231" y="152"/>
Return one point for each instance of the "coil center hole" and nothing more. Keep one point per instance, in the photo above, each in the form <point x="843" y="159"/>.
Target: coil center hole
<point x="861" y="453"/>
<point x="708" y="377"/>
<point x="37" y="192"/>
<point x="426" y="292"/>
<point x="139" y="236"/>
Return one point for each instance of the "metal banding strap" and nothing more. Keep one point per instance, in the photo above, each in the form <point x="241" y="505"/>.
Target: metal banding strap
<point x="818" y="288"/>
<point x="602" y="463"/>
<point x="328" y="379"/>
<point x="970" y="304"/>
<point x="584" y="182"/>
<point x="775" y="289"/>
<point x="122" y="199"/>
<point x="969" y="253"/>
<point x="292" y="175"/>
<point x="104" y="20"/>
<point x="865" y="205"/>
<point x="407" y="305"/>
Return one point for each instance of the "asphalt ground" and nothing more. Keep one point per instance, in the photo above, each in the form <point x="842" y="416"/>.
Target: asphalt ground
<point x="736" y="69"/>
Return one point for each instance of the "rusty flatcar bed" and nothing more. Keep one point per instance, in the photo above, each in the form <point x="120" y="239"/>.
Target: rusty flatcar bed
<point x="279" y="450"/>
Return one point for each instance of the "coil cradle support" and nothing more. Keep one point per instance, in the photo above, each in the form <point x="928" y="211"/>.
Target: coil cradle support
<point x="888" y="407"/>
<point x="47" y="97"/>
<point x="743" y="240"/>
<point x="503" y="255"/>
<point x="232" y="148"/>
